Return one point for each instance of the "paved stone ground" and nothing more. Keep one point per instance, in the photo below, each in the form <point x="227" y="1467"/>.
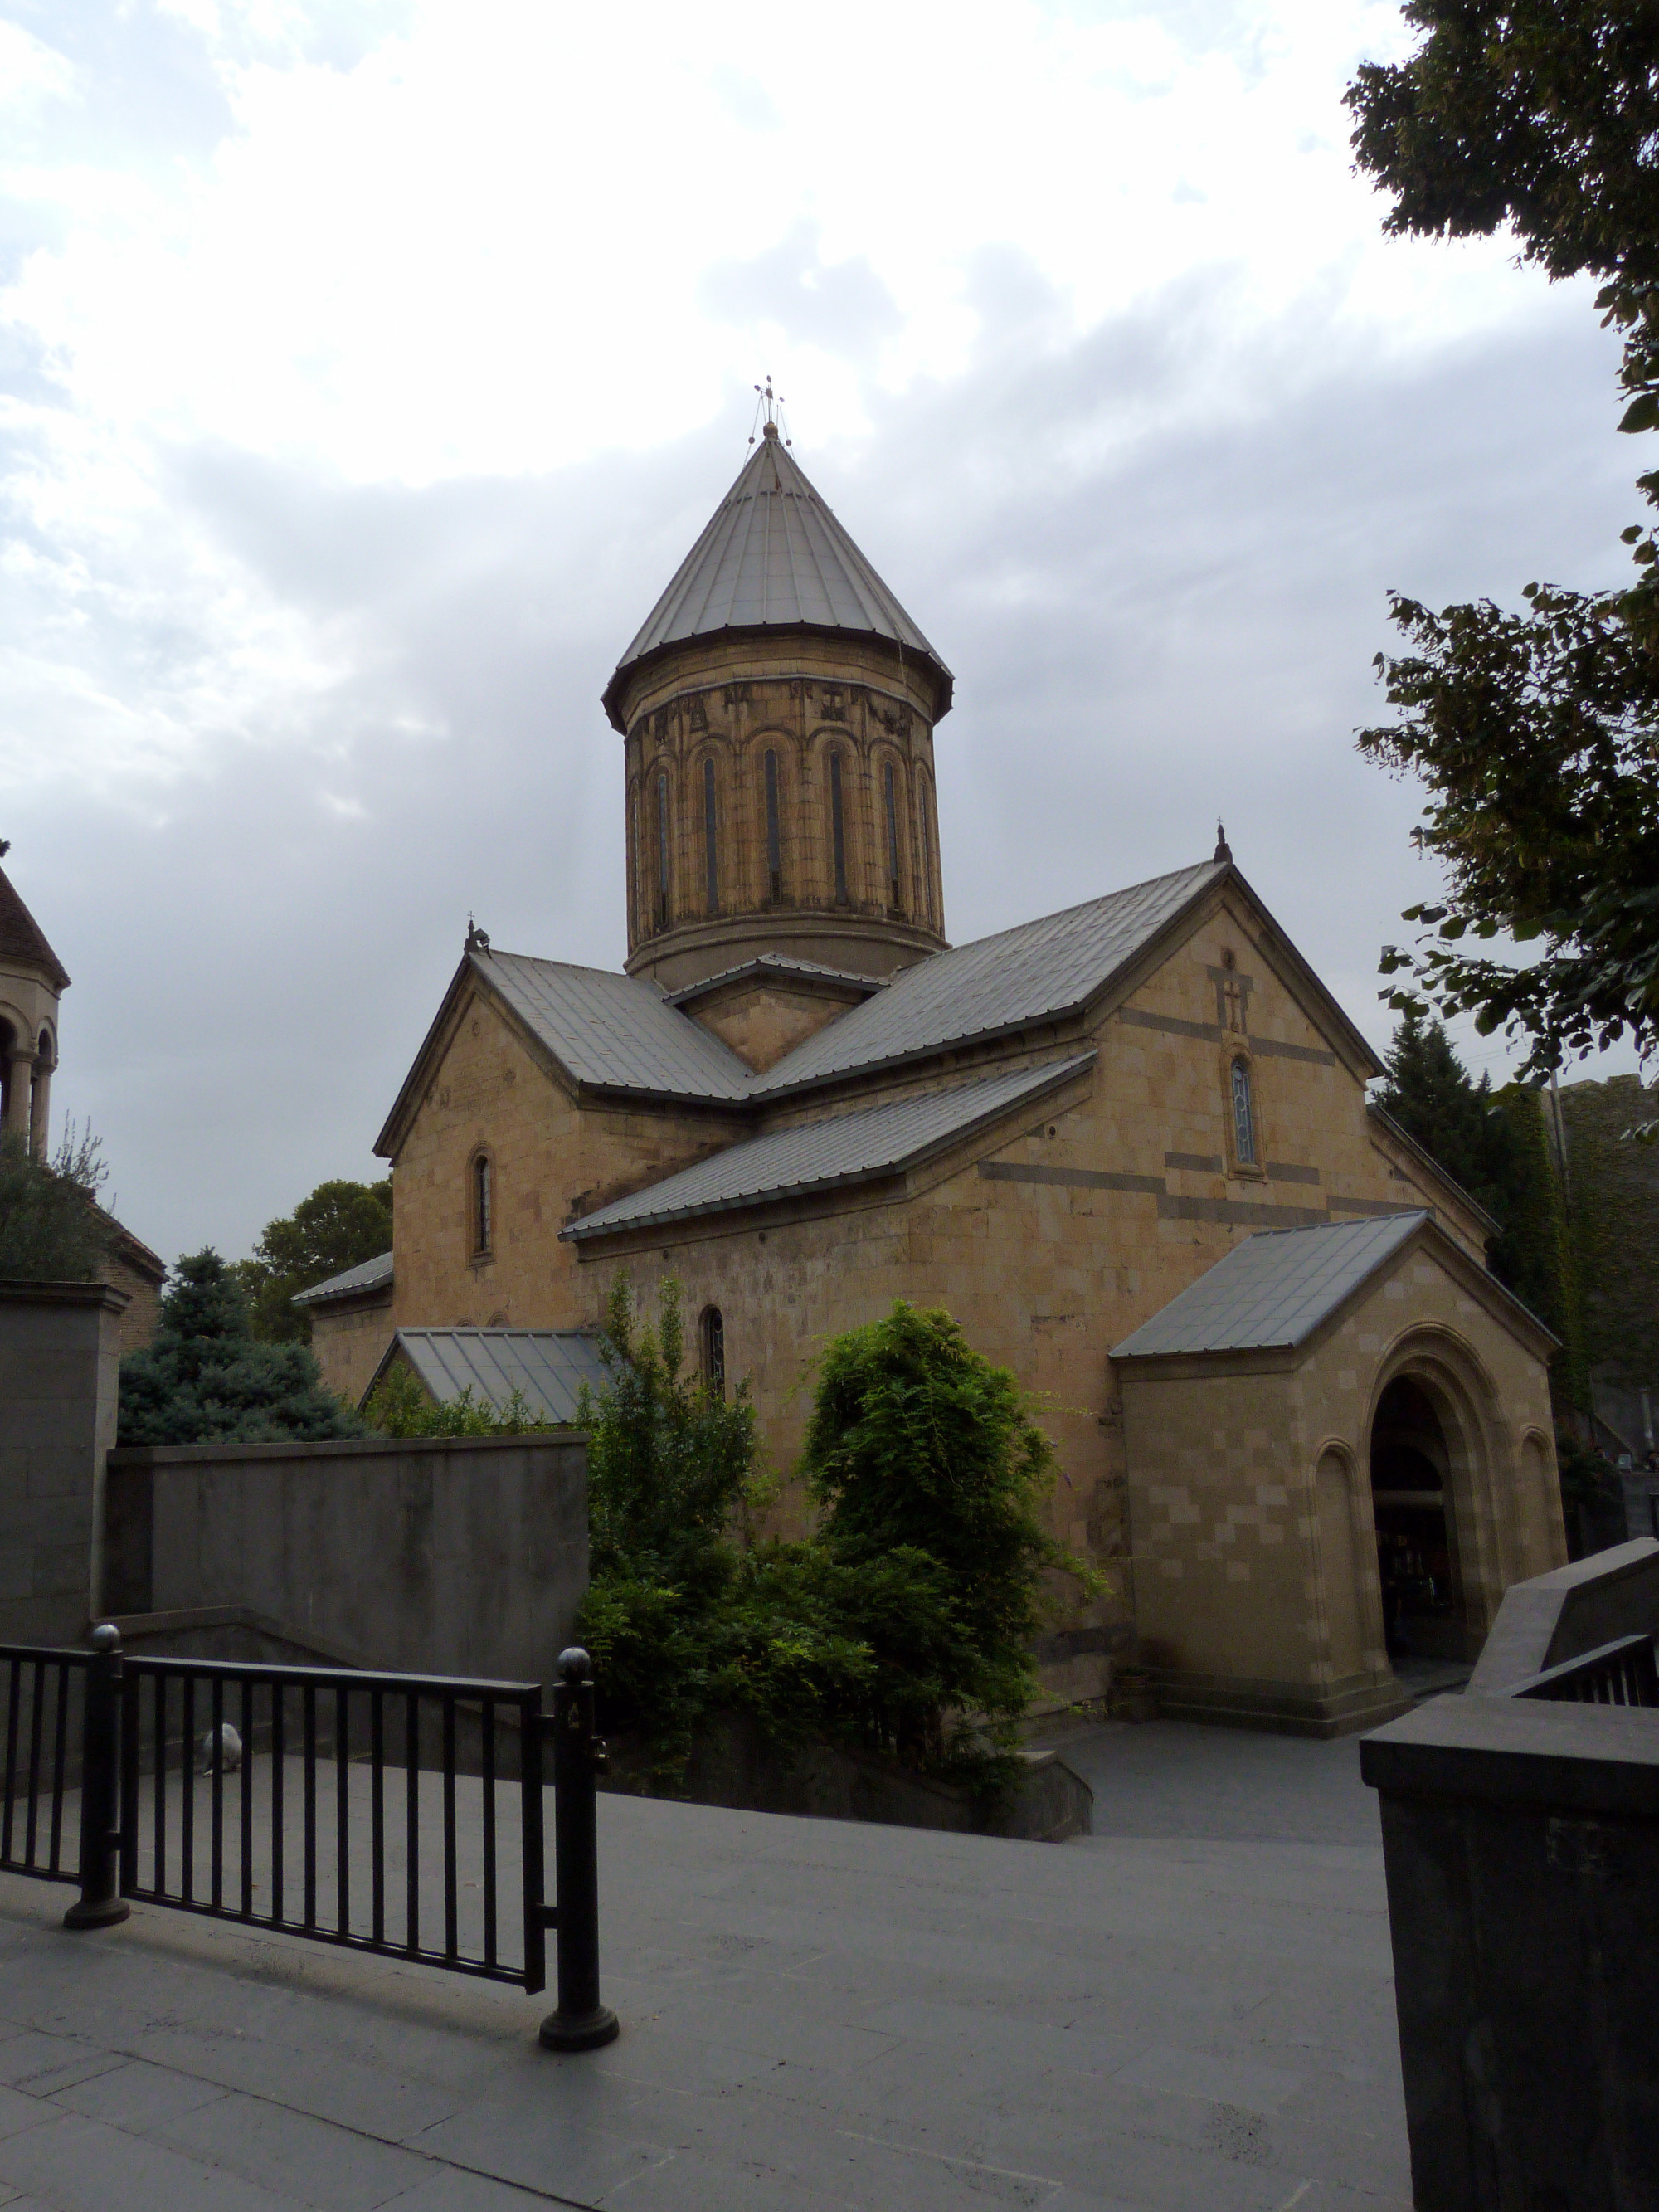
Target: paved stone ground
<point x="1192" y="2009"/>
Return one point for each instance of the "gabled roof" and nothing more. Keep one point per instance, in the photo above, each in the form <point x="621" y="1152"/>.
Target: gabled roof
<point x="779" y="967"/>
<point x="615" y="1032"/>
<point x="547" y="1366"/>
<point x="774" y="557"/>
<point x="1273" y="1289"/>
<point x="369" y="1275"/>
<point x="846" y="1148"/>
<point x="1039" y="971"/>
<point x="22" y="938"/>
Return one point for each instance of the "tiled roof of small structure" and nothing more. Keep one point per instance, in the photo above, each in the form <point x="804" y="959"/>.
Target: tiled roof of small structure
<point x="773" y="557"/>
<point x="845" y="1148"/>
<point x="1036" y="972"/>
<point x="547" y="1366"/>
<point x="777" y="967"/>
<point x="368" y="1275"/>
<point x="1274" y="1289"/>
<point x="21" y="937"/>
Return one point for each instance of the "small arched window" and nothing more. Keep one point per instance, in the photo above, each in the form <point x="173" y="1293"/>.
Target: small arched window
<point x="481" y="1205"/>
<point x="1243" y="1114"/>
<point x="710" y="848"/>
<point x="713" y="1350"/>
<point x="928" y="906"/>
<point x="774" y="835"/>
<point x="837" y="829"/>
<point x="894" y="900"/>
<point x="662" y="852"/>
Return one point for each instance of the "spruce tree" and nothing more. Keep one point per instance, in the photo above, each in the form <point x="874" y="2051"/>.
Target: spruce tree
<point x="205" y="1380"/>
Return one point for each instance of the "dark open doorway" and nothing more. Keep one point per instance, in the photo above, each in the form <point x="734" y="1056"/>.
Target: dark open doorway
<point x="1416" y="1542"/>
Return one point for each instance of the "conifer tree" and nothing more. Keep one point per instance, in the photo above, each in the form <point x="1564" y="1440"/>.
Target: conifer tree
<point x="205" y="1380"/>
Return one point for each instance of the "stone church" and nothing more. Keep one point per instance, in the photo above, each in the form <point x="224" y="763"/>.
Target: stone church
<point x="1127" y="1145"/>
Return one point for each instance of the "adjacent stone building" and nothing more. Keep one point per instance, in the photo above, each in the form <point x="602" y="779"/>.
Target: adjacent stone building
<point x="800" y="1102"/>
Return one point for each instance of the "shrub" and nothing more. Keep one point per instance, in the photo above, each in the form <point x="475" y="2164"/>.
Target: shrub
<point x="399" y="1407"/>
<point x="51" y="1230"/>
<point x="204" y="1379"/>
<point x="932" y="1472"/>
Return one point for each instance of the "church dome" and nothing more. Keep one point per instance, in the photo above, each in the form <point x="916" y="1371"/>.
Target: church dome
<point x="774" y="557"/>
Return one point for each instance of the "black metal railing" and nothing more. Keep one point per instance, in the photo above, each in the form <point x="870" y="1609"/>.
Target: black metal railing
<point x="396" y="1814"/>
<point x="42" y="1704"/>
<point x="1622" y="1673"/>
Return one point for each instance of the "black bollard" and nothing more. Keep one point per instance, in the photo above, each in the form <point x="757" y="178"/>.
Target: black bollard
<point x="100" y="1903"/>
<point x="582" y="2023"/>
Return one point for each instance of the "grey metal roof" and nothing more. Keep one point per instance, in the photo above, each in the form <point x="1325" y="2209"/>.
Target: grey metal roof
<point x="1038" y="971"/>
<point x="615" y="1032"/>
<point x="1274" y="1289"/>
<point x="369" y="1275"/>
<point x="845" y="1148"/>
<point x="548" y="1366"/>
<point x="773" y="557"/>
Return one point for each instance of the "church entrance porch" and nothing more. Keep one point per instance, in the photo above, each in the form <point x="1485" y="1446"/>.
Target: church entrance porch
<point x="1423" y="1615"/>
<point x="1333" y="1459"/>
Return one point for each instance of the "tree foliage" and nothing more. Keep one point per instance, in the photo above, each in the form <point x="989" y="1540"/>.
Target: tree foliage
<point x="1616" y="1225"/>
<point x="1535" y="733"/>
<point x="340" y="1225"/>
<point x="900" y="1627"/>
<point x="206" y="1380"/>
<point x="52" y="1228"/>
<point x="918" y="1449"/>
<point x="399" y="1406"/>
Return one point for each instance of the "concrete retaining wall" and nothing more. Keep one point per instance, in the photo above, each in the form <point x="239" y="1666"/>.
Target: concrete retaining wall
<point x="60" y="1352"/>
<point x="1559" y="1616"/>
<point x="443" y="1556"/>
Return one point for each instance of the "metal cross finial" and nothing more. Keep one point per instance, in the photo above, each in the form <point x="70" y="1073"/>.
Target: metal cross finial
<point x="772" y="402"/>
<point x="1224" y="851"/>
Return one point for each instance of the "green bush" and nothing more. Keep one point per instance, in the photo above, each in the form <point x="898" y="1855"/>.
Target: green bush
<point x="399" y="1407"/>
<point x="901" y="1627"/>
<point x="340" y="1225"/>
<point x="50" y="1228"/>
<point x="205" y="1380"/>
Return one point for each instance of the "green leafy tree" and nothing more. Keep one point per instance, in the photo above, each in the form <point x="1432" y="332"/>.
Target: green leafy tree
<point x="340" y="1225"/>
<point x="205" y="1379"/>
<point x="52" y="1228"/>
<point x="1534" y="734"/>
<point x="932" y="1473"/>
<point x="1614" y="1215"/>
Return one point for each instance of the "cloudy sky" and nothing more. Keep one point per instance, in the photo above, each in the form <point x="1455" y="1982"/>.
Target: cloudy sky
<point x="366" y="367"/>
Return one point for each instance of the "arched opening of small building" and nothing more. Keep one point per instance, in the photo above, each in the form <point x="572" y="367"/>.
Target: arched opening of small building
<point x="1423" y="1614"/>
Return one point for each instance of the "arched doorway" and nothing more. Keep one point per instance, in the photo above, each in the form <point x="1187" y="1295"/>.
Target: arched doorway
<point x="1423" y="1615"/>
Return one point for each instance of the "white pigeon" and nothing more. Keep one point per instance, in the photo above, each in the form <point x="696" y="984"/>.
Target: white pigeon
<point x="219" y="1747"/>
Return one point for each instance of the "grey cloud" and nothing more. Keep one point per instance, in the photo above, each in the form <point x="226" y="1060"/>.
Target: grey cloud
<point x="842" y="306"/>
<point x="1145" y="629"/>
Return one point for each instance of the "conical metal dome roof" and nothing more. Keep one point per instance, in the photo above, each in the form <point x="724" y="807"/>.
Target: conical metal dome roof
<point x="774" y="557"/>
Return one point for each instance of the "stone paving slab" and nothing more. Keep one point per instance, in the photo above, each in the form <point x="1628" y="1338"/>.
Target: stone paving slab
<point x="817" y="2016"/>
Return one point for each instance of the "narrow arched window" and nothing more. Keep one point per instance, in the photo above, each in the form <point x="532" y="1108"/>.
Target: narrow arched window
<point x="482" y="1206"/>
<point x="928" y="906"/>
<point x="662" y="851"/>
<point x="837" y="829"/>
<point x="713" y="1350"/>
<point x="893" y="899"/>
<point x="1243" y="1116"/>
<point x="774" y="836"/>
<point x="636" y="856"/>
<point x="710" y="848"/>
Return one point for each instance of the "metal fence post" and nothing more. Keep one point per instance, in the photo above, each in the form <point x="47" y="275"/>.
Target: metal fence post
<point x="582" y="2023"/>
<point x="100" y="1903"/>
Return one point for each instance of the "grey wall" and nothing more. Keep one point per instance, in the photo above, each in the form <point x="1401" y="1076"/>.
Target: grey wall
<point x="445" y="1556"/>
<point x="1522" y="1844"/>
<point x="1561" y="1615"/>
<point x="60" y="1354"/>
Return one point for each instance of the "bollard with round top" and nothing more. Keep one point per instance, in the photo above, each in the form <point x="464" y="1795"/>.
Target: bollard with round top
<point x="582" y="2023"/>
<point x="100" y="1904"/>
